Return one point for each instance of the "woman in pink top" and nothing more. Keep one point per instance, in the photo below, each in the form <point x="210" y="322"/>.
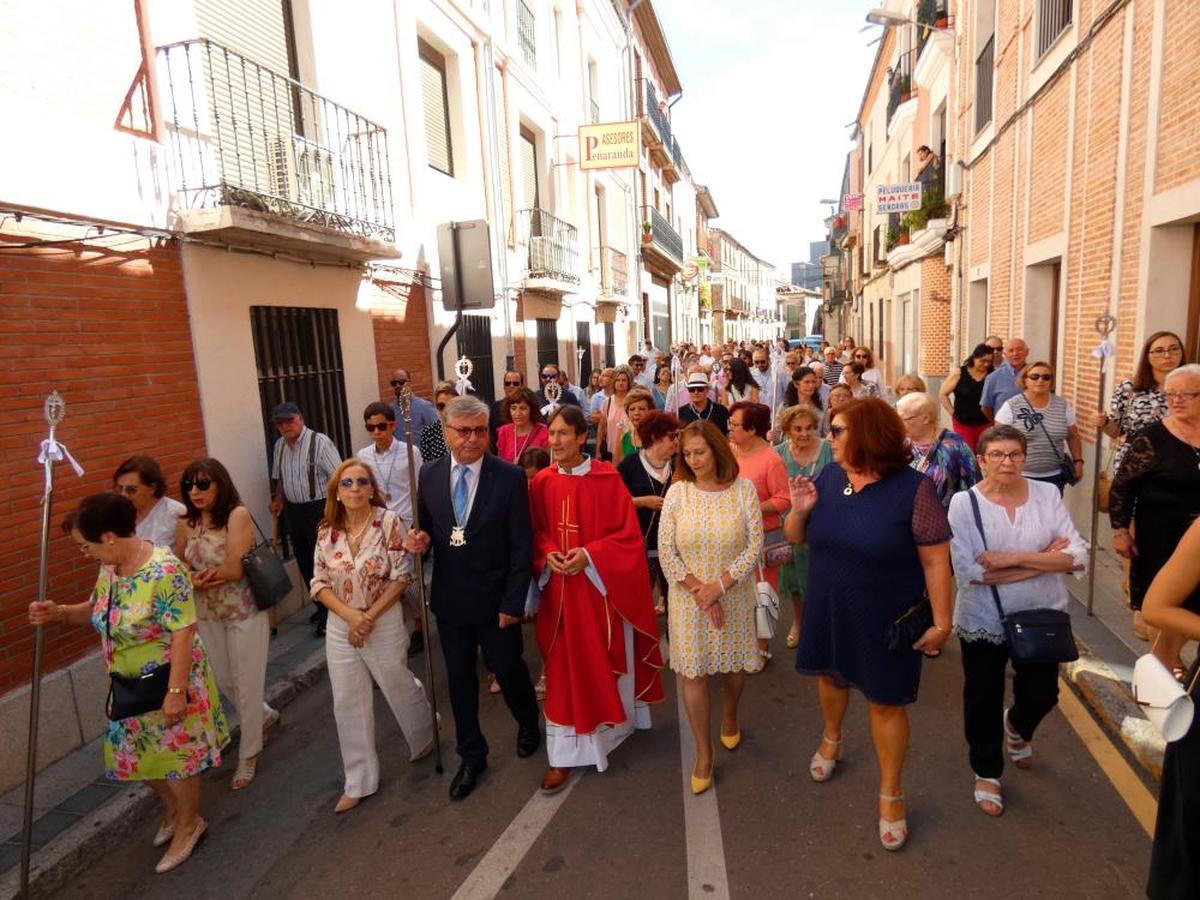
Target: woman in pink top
<point x="524" y="429"/>
<point x="759" y="464"/>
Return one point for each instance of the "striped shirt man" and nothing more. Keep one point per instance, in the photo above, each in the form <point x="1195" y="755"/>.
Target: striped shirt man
<point x="305" y="467"/>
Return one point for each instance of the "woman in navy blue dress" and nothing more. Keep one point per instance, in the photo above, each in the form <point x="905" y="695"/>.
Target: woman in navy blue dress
<point x="878" y="545"/>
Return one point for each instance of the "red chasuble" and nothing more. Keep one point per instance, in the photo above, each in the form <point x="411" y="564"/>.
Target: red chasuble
<point x="580" y="630"/>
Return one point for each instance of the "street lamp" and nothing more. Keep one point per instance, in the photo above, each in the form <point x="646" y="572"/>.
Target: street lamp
<point x="887" y="19"/>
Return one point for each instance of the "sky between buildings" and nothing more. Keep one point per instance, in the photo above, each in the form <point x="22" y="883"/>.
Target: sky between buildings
<point x="769" y="87"/>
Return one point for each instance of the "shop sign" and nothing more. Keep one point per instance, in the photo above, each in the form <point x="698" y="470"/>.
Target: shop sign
<point x="891" y="198"/>
<point x="611" y="145"/>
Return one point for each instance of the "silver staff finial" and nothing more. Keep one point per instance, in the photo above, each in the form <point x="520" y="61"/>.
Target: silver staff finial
<point x="55" y="408"/>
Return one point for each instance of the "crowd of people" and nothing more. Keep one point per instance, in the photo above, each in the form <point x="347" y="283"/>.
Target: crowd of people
<point x="694" y="486"/>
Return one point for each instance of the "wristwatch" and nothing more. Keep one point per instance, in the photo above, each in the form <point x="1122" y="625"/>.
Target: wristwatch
<point x="175" y="690"/>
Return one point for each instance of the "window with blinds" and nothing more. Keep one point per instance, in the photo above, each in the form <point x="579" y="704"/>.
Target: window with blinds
<point x="436" y="105"/>
<point x="529" y="170"/>
<point x="1053" y="18"/>
<point x="505" y="163"/>
<point x="985" y="61"/>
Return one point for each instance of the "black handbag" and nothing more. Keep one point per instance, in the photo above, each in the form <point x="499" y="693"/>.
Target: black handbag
<point x="133" y="695"/>
<point x="908" y="627"/>
<point x="269" y="580"/>
<point x="1034" y="635"/>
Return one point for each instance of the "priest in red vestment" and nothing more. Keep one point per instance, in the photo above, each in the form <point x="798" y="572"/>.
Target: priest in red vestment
<point x="595" y="624"/>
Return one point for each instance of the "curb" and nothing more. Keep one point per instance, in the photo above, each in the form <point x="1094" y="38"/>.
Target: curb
<point x="65" y="856"/>
<point x="1113" y="706"/>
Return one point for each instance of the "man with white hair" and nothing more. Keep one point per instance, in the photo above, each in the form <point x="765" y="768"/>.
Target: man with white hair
<point x="819" y="369"/>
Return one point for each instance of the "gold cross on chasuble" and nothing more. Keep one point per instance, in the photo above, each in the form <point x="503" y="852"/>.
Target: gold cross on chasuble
<point x="567" y="529"/>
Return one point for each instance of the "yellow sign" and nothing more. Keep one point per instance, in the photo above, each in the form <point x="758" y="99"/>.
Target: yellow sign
<point x="613" y="145"/>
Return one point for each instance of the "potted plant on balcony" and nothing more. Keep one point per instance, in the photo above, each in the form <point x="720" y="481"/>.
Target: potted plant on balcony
<point x="647" y="232"/>
<point x="904" y="87"/>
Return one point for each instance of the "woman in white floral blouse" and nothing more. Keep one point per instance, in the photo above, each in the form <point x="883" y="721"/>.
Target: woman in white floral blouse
<point x="360" y="572"/>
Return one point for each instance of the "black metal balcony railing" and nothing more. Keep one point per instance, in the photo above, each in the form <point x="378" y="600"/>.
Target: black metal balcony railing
<point x="662" y="234"/>
<point x="595" y="109"/>
<point x="676" y="154"/>
<point x="242" y="135"/>
<point x="928" y="14"/>
<point x="614" y="272"/>
<point x="900" y="86"/>
<point x="526" y="33"/>
<point x="553" y="245"/>
<point x="657" y="117"/>
<point x="984" y="64"/>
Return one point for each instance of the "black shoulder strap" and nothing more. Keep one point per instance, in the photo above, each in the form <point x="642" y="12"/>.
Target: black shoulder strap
<point x="312" y="469"/>
<point x="1041" y="420"/>
<point x="983" y="537"/>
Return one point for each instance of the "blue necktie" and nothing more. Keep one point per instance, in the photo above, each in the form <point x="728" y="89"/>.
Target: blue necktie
<point x="460" y="495"/>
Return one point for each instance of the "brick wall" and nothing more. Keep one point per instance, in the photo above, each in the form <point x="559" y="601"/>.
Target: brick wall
<point x="934" y="359"/>
<point x="400" y="319"/>
<point x="1179" y="119"/>
<point x="110" y="332"/>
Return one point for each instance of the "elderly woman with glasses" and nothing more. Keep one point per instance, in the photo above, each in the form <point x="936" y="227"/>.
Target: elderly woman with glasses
<point x="879" y="545"/>
<point x="1028" y="540"/>
<point x="937" y="452"/>
<point x="869" y="374"/>
<point x="360" y="573"/>
<point x="140" y="479"/>
<point x="1156" y="495"/>
<point x="1048" y="423"/>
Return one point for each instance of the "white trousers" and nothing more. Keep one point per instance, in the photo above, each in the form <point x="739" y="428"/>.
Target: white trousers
<point x="237" y="652"/>
<point x="351" y="669"/>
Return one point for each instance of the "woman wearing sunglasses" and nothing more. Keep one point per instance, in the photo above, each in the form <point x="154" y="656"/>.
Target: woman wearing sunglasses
<point x="212" y="537"/>
<point x="360" y="572"/>
<point x="1048" y="423"/>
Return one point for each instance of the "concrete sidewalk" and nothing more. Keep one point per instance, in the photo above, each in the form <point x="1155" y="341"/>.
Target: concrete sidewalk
<point x="77" y="810"/>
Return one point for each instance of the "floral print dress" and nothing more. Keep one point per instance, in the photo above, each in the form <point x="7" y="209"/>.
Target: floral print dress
<point x="136" y="617"/>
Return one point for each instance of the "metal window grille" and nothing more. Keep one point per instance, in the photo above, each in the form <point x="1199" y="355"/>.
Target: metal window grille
<point x="1053" y="18"/>
<point x="662" y="234"/>
<point x="900" y="86"/>
<point x="526" y="33"/>
<point x="553" y="245"/>
<point x="985" y="65"/>
<point x="298" y="356"/>
<point x="610" y="346"/>
<point x="436" y="107"/>
<point x="475" y="343"/>
<point x="547" y="343"/>
<point x="614" y="271"/>
<point x="583" y="340"/>
<point x="595" y="106"/>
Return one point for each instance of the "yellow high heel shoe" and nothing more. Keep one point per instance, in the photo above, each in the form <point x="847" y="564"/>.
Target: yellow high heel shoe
<point x="700" y="785"/>
<point x="731" y="741"/>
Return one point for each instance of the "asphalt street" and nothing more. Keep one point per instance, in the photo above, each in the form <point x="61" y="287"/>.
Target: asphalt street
<point x="632" y="832"/>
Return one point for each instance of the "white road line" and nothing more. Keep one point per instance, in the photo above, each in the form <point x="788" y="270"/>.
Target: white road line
<point x="488" y="877"/>
<point x="707" y="879"/>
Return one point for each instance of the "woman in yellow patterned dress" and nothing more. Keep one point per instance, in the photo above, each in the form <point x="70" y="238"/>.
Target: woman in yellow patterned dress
<point x="709" y="540"/>
<point x="143" y="608"/>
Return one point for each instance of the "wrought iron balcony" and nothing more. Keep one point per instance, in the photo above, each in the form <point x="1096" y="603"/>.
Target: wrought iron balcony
<point x="929" y="13"/>
<point x="527" y="33"/>
<point x="552" y="246"/>
<point x="614" y="272"/>
<point x="241" y="135"/>
<point x="595" y="110"/>
<point x="661" y="236"/>
<point x="900" y="86"/>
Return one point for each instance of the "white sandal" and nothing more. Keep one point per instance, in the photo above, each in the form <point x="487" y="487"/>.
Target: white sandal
<point x="821" y="767"/>
<point x="1020" y="751"/>
<point x="994" y="798"/>
<point x="244" y="774"/>
<point x="893" y="835"/>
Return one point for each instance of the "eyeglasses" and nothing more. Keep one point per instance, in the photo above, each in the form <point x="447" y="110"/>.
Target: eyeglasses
<point x="361" y="481"/>
<point x="129" y="489"/>
<point x="377" y="426"/>
<point x="1182" y="396"/>
<point x="836" y="431"/>
<point x="1166" y="351"/>
<point x="549" y="376"/>
<point x="479" y="431"/>
<point x="999" y="456"/>
<point x="1041" y="376"/>
<point x="399" y="382"/>
<point x="512" y="383"/>
<point x="994" y="349"/>
<point x="200" y="484"/>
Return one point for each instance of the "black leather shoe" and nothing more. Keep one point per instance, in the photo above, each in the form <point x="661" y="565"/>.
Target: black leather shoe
<point x="464" y="780"/>
<point x="416" y="643"/>
<point x="529" y="738"/>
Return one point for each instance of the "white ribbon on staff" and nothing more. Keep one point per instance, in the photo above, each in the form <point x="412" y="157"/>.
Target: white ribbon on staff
<point x="463" y="385"/>
<point x="53" y="451"/>
<point x="548" y="409"/>
<point x="1104" y="349"/>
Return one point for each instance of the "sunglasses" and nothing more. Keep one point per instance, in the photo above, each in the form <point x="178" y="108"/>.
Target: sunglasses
<point x="1039" y="377"/>
<point x="697" y="390"/>
<point x="200" y="484"/>
<point x="512" y="384"/>
<point x="860" y="356"/>
<point x="361" y="481"/>
<point x="377" y="426"/>
<point x="549" y="377"/>
<point x="398" y="382"/>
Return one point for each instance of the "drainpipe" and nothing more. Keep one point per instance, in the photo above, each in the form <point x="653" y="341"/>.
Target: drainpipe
<point x="492" y="147"/>
<point x="635" y="222"/>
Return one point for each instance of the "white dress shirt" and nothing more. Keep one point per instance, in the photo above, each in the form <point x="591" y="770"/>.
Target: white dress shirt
<point x="391" y="471"/>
